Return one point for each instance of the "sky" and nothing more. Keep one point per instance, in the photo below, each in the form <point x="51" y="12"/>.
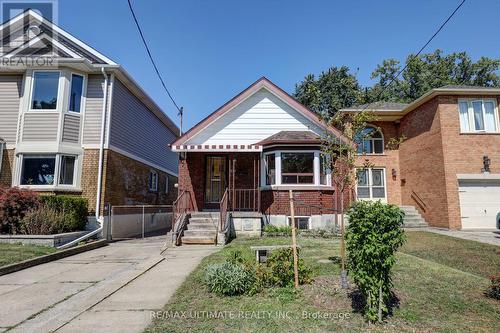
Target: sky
<point x="209" y="51"/>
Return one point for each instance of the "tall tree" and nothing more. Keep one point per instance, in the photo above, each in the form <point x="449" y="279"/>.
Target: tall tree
<point x="334" y="89"/>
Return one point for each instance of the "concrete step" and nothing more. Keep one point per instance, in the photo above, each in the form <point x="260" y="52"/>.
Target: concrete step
<point x="203" y="220"/>
<point x="415" y="225"/>
<point x="414" y="219"/>
<point x="205" y="215"/>
<point x="198" y="240"/>
<point x="201" y="226"/>
<point x="200" y="233"/>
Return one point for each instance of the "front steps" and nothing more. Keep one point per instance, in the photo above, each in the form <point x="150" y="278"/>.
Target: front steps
<point x="413" y="219"/>
<point x="201" y="228"/>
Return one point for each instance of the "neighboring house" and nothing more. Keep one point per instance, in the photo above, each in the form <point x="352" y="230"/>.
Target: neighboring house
<point x="257" y="147"/>
<point x="55" y="120"/>
<point x="447" y="167"/>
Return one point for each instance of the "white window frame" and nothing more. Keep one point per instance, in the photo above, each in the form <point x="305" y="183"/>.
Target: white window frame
<point x="370" y="186"/>
<point x="470" y="115"/>
<point x="57" y="168"/>
<point x="60" y="89"/>
<point x="153" y="186"/>
<point x="373" y="142"/>
<point x="82" y="101"/>
<point x="277" y="163"/>
<point x="289" y="221"/>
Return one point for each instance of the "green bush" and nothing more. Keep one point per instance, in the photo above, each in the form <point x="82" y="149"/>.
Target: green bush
<point x="42" y="221"/>
<point x="74" y="209"/>
<point x="494" y="290"/>
<point x="272" y="229"/>
<point x="373" y="235"/>
<point x="228" y="279"/>
<point x="280" y="264"/>
<point x="14" y="204"/>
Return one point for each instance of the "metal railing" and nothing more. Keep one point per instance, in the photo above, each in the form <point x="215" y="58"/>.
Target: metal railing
<point x="181" y="206"/>
<point x="420" y="202"/>
<point x="245" y="200"/>
<point x="132" y="221"/>
<point x="224" y="205"/>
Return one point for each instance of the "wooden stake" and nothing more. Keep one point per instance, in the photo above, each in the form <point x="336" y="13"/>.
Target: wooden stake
<point x="294" y="244"/>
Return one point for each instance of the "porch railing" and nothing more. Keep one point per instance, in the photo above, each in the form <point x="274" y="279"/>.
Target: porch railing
<point x="181" y="205"/>
<point x="245" y="199"/>
<point x="224" y="206"/>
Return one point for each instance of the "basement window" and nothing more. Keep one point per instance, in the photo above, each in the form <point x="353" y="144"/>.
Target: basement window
<point x="301" y="222"/>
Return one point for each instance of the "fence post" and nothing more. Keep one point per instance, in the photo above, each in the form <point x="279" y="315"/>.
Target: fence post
<point x="294" y="244"/>
<point x="142" y="221"/>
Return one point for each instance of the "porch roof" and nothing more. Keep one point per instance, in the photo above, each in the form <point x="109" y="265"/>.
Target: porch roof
<point x="291" y="138"/>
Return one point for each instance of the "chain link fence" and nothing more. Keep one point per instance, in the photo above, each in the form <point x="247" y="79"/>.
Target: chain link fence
<point x="139" y="221"/>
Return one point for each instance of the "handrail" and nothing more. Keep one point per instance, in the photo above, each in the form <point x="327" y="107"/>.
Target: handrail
<point x="420" y="202"/>
<point x="224" y="205"/>
<point x="180" y="206"/>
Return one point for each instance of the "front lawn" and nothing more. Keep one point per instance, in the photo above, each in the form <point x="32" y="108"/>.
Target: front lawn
<point x="435" y="294"/>
<point x="13" y="253"/>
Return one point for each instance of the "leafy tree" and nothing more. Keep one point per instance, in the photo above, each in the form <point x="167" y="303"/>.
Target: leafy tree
<point x="333" y="90"/>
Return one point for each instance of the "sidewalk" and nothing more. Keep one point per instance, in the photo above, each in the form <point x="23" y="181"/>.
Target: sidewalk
<point x="487" y="237"/>
<point x="111" y="289"/>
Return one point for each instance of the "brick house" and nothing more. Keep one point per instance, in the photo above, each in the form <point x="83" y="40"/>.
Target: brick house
<point x="79" y="124"/>
<point x="447" y="167"/>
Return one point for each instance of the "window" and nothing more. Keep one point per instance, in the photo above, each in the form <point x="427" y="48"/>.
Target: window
<point x="297" y="168"/>
<point x="67" y="170"/>
<point x="167" y="184"/>
<point x="153" y="181"/>
<point x="477" y="116"/>
<point x="322" y="171"/>
<point x="370" y="141"/>
<point x="38" y="170"/>
<point x="76" y="92"/>
<point x="45" y="89"/>
<point x="270" y="161"/>
<point x="301" y="222"/>
<point x="2" y="145"/>
<point x="371" y="184"/>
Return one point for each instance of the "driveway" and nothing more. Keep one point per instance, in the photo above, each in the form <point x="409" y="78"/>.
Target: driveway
<point x="488" y="237"/>
<point x="110" y="289"/>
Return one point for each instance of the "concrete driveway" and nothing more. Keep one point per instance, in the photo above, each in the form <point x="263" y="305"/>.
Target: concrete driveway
<point x="110" y="289"/>
<point x="482" y="236"/>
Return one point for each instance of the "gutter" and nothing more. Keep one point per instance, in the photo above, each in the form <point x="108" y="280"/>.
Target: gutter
<point x="99" y="230"/>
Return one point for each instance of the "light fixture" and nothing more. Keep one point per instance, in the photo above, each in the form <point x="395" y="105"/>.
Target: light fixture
<point x="394" y="173"/>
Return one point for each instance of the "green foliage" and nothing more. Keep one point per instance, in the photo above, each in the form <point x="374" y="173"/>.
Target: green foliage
<point x="494" y="289"/>
<point x="228" y="279"/>
<point x="43" y="221"/>
<point x="280" y="265"/>
<point x="14" y="204"/>
<point x="74" y="209"/>
<point x="373" y="236"/>
<point x="272" y="229"/>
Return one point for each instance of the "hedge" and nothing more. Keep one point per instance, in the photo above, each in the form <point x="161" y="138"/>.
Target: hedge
<point x="74" y="208"/>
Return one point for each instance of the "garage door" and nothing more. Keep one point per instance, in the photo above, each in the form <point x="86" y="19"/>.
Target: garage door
<point x="479" y="203"/>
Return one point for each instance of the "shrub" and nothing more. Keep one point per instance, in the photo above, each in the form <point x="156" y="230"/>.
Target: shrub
<point x="228" y="279"/>
<point x="42" y="221"/>
<point x="74" y="209"/>
<point x="280" y="264"/>
<point x="272" y="229"/>
<point x="14" y="204"/>
<point x="494" y="290"/>
<point x="373" y="235"/>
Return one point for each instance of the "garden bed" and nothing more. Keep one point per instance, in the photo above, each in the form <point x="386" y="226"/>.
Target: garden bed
<point x="433" y="295"/>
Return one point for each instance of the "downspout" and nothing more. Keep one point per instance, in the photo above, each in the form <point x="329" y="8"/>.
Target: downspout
<point x="99" y="172"/>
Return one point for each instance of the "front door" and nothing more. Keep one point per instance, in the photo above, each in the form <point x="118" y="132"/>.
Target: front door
<point x="215" y="184"/>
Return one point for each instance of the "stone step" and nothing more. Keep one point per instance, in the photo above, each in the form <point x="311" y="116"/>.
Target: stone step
<point x="414" y="219"/>
<point x="205" y="215"/>
<point x="200" y="233"/>
<point x="198" y="240"/>
<point x="415" y="225"/>
<point x="201" y="226"/>
<point x="203" y="220"/>
<point x="408" y="209"/>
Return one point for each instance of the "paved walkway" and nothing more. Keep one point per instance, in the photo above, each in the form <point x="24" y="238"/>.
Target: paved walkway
<point x="110" y="289"/>
<point x="488" y="237"/>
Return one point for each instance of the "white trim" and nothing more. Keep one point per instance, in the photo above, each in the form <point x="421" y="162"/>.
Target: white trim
<point x="59" y="91"/>
<point x="39" y="39"/>
<point x="109" y="110"/>
<point x="84" y="82"/>
<point x="370" y="186"/>
<point x="3" y="145"/>
<point x="139" y="159"/>
<point x="372" y="139"/>
<point x="190" y="148"/>
<point x="470" y="114"/>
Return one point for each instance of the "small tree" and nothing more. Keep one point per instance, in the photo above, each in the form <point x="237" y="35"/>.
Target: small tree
<point x="339" y="155"/>
<point x="373" y="235"/>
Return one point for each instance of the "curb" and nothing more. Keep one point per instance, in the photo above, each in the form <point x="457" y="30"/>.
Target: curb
<point x="51" y="257"/>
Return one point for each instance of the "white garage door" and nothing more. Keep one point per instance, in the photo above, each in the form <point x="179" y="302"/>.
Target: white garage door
<point x="479" y="203"/>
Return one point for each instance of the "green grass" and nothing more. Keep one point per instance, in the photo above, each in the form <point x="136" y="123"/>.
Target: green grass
<point x="13" y="253"/>
<point x="435" y="296"/>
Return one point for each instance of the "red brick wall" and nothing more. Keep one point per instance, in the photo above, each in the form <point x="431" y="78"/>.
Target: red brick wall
<point x="421" y="163"/>
<point x="463" y="153"/>
<point x="7" y="167"/>
<point x="278" y="202"/>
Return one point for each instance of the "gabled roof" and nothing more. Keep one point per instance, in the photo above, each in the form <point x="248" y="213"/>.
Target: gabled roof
<point x="263" y="82"/>
<point x="291" y="137"/>
<point x="74" y="53"/>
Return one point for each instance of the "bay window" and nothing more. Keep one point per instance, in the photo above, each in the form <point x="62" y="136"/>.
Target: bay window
<point x="371" y="183"/>
<point x="76" y="93"/>
<point x="478" y="116"/>
<point x="48" y="170"/>
<point x="299" y="168"/>
<point x="45" y="91"/>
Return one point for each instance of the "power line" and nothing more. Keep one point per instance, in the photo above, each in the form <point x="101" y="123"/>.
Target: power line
<point x="179" y="109"/>
<point x="417" y="54"/>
